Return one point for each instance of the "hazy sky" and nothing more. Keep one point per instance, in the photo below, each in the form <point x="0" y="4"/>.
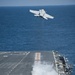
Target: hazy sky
<point x="35" y="2"/>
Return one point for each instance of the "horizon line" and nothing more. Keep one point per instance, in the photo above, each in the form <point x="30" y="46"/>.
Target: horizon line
<point x="36" y="5"/>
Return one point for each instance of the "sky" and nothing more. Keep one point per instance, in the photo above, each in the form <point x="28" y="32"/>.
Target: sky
<point x="35" y="2"/>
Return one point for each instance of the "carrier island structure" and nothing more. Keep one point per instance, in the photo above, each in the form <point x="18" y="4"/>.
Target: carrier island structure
<point x="33" y="63"/>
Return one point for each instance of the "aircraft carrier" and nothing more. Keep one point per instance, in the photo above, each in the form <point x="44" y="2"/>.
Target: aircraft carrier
<point x="33" y="63"/>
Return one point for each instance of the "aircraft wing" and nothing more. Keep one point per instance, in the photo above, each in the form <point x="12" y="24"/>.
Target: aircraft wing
<point x="34" y="11"/>
<point x="48" y="16"/>
<point x="45" y="17"/>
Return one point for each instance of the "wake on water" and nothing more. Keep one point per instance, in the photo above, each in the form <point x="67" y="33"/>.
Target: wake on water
<point x="43" y="69"/>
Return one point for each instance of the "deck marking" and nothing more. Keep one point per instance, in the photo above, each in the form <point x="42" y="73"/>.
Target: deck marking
<point x="55" y="62"/>
<point x="18" y="63"/>
<point x="37" y="56"/>
<point x="3" y="53"/>
<point x="11" y="65"/>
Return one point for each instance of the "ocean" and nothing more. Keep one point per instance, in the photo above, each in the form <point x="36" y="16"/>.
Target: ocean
<point x="20" y="30"/>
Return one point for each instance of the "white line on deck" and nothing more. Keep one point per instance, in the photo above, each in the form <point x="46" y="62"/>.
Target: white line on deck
<point x="55" y="61"/>
<point x="18" y="63"/>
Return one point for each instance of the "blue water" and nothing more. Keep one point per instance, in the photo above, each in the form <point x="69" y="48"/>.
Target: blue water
<point x="20" y="30"/>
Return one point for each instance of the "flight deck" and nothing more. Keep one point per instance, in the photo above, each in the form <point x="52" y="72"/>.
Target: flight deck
<point x="23" y="62"/>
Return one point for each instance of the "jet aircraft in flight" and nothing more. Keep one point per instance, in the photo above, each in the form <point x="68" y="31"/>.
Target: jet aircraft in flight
<point x="42" y="13"/>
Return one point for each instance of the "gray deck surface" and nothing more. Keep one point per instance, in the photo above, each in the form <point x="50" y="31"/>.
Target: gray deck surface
<point x="20" y="63"/>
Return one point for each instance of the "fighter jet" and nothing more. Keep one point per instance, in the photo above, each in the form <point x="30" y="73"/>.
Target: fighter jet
<point x="42" y="13"/>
